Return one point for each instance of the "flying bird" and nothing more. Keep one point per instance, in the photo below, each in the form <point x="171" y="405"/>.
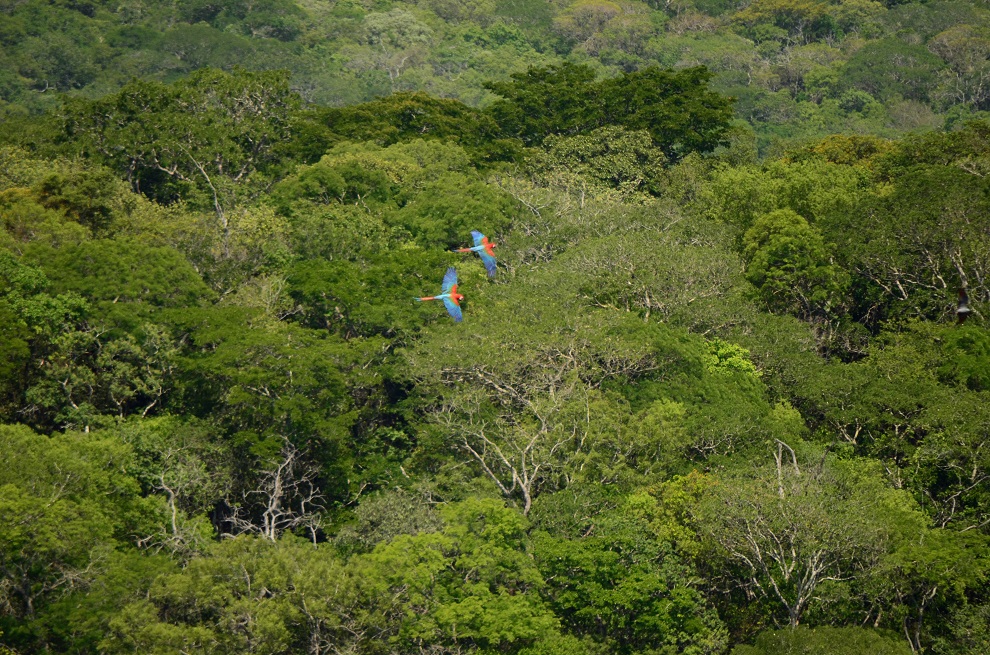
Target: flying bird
<point x="962" y="309"/>
<point x="448" y="294"/>
<point x="485" y="250"/>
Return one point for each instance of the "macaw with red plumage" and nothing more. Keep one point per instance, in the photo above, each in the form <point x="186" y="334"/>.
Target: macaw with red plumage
<point x="448" y="294"/>
<point x="485" y="250"/>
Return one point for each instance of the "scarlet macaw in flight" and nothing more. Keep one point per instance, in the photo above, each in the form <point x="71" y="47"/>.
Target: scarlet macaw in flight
<point x="484" y="248"/>
<point x="448" y="294"/>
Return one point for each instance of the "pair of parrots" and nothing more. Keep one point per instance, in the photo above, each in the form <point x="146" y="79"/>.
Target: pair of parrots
<point x="448" y="292"/>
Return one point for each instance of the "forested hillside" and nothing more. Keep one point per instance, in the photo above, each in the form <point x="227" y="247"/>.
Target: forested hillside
<point x="716" y="398"/>
<point x="799" y="69"/>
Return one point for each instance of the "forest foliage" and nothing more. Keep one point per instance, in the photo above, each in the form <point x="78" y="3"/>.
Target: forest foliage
<point x="715" y="400"/>
<point x="799" y="69"/>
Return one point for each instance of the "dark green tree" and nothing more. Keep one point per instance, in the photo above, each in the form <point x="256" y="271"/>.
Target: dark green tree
<point x="678" y="110"/>
<point x="215" y="136"/>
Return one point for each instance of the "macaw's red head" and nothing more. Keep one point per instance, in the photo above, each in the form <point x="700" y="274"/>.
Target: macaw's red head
<point x="458" y="298"/>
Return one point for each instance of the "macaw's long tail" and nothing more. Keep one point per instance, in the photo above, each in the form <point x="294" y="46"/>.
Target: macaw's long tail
<point x="462" y="250"/>
<point x="426" y="298"/>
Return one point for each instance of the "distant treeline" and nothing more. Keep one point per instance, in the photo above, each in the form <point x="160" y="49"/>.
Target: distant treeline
<point x="799" y="69"/>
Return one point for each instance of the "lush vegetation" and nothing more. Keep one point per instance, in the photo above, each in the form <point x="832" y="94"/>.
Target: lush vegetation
<point x="799" y="69"/>
<point x="715" y="401"/>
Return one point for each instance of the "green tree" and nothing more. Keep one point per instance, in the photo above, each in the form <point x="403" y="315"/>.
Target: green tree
<point x="189" y="465"/>
<point x="892" y="67"/>
<point x="63" y="502"/>
<point x="927" y="574"/>
<point x="80" y="619"/>
<point x="544" y="101"/>
<point x="406" y="116"/>
<point x="123" y="272"/>
<point x="812" y="187"/>
<point x="825" y="640"/>
<point x="609" y="157"/>
<point x="791" y="267"/>
<point x="37" y="320"/>
<point x="391" y="43"/>
<point x="471" y="586"/>
<point x="966" y="49"/>
<point x="915" y="249"/>
<point x="92" y="198"/>
<point x="217" y="134"/>
<point x="790" y="527"/>
<point x="676" y="108"/>
<point x="616" y="582"/>
<point x="423" y="189"/>
<point x="800" y="21"/>
<point x="90" y="373"/>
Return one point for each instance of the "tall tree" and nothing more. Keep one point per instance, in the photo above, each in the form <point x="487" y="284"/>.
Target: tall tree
<point x="214" y="134"/>
<point x="793" y="525"/>
<point x="678" y="110"/>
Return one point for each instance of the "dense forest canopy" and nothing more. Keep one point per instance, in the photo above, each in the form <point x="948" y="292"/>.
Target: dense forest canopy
<point x="799" y="69"/>
<point x="718" y="397"/>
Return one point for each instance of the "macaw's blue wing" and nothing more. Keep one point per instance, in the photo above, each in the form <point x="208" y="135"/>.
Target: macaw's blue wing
<point x="453" y="309"/>
<point x="489" y="262"/>
<point x="477" y="236"/>
<point x="449" y="279"/>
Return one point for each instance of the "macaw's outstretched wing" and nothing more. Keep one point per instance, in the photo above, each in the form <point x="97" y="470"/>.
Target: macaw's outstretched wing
<point x="478" y="237"/>
<point x="489" y="262"/>
<point x="453" y="309"/>
<point x="449" y="279"/>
